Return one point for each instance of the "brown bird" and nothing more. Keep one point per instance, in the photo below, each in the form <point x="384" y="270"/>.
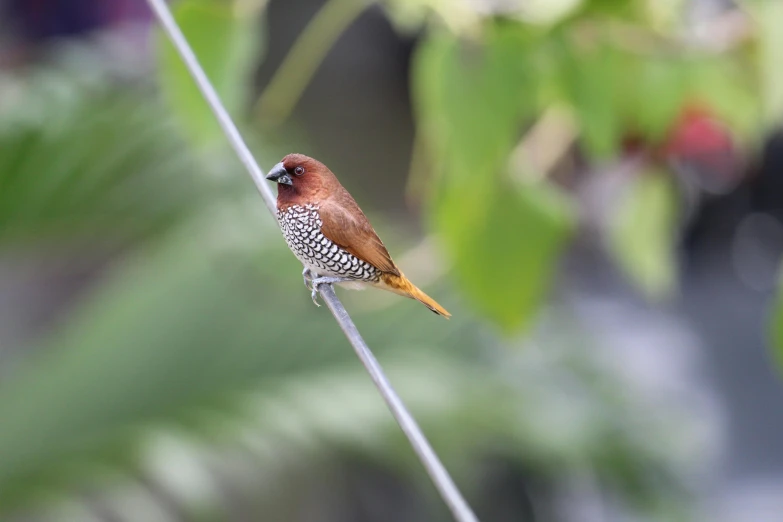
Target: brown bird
<point x="331" y="236"/>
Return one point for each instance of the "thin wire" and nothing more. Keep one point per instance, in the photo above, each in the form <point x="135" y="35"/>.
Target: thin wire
<point x="205" y="86"/>
<point x="432" y="464"/>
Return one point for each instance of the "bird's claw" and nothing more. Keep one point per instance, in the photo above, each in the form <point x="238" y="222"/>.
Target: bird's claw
<point x="307" y="276"/>
<point x="318" y="281"/>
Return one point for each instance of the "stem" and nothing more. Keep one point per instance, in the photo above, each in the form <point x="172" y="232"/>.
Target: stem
<point x="285" y="88"/>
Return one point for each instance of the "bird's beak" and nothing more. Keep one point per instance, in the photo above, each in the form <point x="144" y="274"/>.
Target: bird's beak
<point x="279" y="174"/>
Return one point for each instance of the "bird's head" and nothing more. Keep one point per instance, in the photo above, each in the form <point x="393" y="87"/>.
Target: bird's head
<point x="301" y="175"/>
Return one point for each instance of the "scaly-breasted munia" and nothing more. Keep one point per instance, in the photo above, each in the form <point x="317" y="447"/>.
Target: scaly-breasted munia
<point x="331" y="236"/>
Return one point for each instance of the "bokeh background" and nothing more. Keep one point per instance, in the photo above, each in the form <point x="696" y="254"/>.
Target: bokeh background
<point x="593" y="188"/>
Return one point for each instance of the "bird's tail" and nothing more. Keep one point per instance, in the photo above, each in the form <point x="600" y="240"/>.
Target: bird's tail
<point x="399" y="284"/>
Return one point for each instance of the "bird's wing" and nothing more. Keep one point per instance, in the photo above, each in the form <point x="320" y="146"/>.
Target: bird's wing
<point x="345" y="224"/>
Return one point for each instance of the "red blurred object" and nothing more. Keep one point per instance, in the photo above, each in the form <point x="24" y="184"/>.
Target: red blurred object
<point x="702" y="148"/>
<point x="698" y="133"/>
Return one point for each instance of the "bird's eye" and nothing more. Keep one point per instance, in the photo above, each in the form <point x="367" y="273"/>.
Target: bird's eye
<point x="299" y="171"/>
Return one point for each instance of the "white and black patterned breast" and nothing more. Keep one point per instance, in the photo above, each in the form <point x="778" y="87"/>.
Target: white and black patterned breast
<point x="301" y="226"/>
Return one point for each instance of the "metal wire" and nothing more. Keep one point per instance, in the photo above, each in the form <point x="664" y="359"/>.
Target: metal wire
<point x="432" y="464"/>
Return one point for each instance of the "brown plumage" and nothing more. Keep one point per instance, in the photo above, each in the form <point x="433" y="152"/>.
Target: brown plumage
<point x="329" y="233"/>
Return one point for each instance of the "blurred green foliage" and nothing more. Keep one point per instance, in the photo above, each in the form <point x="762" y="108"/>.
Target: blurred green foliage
<point x="203" y="326"/>
<point x="770" y="53"/>
<point x="228" y="43"/>
<point x="642" y="229"/>
<point x="624" y="80"/>
<point x="471" y="110"/>
<point x="83" y="162"/>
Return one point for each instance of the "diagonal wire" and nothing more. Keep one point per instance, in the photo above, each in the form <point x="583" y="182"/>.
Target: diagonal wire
<point x="437" y="472"/>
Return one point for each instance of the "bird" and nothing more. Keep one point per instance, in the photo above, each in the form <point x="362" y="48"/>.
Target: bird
<point x="328" y="232"/>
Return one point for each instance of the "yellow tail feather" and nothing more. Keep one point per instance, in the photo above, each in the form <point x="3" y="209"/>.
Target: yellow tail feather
<point x="402" y="286"/>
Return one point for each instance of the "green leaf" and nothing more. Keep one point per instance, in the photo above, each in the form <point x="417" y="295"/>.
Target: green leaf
<point x="727" y="87"/>
<point x="614" y="8"/>
<point x="661" y="86"/>
<point x="596" y="83"/>
<point x="470" y="98"/>
<point x="471" y="102"/>
<point x="227" y="46"/>
<point x="769" y="17"/>
<point x="657" y="95"/>
<point x="547" y="12"/>
<point x="666" y="15"/>
<point x="505" y="245"/>
<point x="641" y="234"/>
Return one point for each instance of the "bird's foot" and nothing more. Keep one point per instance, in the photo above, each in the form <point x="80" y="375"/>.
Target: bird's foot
<point x="307" y="276"/>
<point x="318" y="281"/>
